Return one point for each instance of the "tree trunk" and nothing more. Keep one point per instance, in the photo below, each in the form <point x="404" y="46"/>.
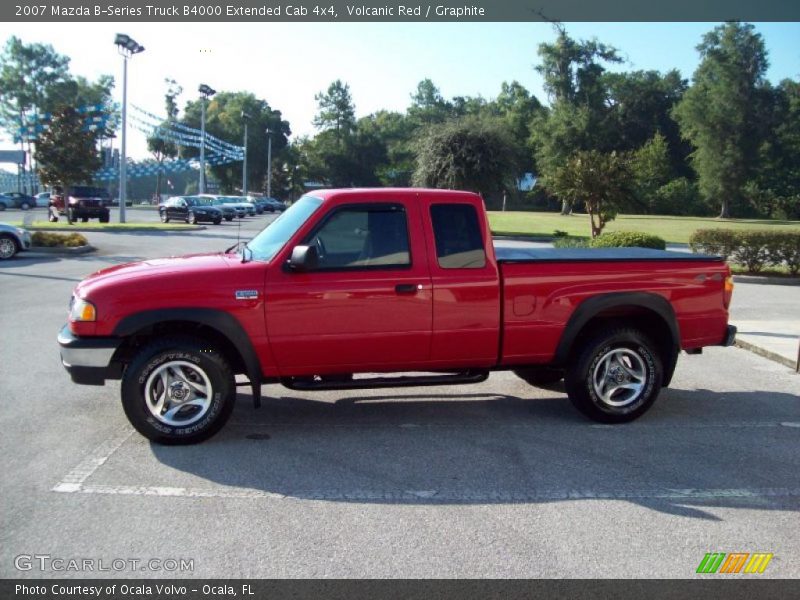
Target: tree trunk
<point x="158" y="187"/>
<point x="725" y="210"/>
<point x="566" y="207"/>
<point x="65" y="194"/>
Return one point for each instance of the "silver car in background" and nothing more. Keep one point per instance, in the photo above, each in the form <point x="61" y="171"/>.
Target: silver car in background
<point x="13" y="240"/>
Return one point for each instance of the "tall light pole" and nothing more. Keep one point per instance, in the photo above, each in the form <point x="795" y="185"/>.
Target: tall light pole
<point x="245" y="117"/>
<point x="206" y="92"/>
<point x="269" y="162"/>
<point x="127" y="47"/>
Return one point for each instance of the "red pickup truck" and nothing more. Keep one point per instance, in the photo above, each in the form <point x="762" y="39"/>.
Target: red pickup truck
<point x="352" y="282"/>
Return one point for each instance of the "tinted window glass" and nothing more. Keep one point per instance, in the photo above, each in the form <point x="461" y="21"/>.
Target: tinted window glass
<point x="267" y="243"/>
<point x="459" y="244"/>
<point x="368" y="237"/>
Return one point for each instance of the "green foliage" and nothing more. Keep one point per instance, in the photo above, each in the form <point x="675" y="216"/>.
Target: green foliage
<point x="678" y="197"/>
<point x="721" y="113"/>
<point x="720" y="242"/>
<point x="601" y="181"/>
<point x="58" y="240"/>
<point x="628" y="239"/>
<point x="65" y="152"/>
<point x="570" y="242"/>
<point x="470" y="154"/>
<point x="224" y="120"/>
<point x="650" y="169"/>
<point x="336" y="110"/>
<point x="753" y="249"/>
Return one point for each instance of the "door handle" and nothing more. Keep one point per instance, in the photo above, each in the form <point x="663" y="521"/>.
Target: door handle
<point x="406" y="288"/>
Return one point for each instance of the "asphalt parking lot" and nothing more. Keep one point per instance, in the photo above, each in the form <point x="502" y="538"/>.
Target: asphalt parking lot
<point x="496" y="480"/>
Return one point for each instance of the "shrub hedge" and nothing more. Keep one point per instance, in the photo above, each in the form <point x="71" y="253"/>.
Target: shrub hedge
<point x="752" y="249"/>
<point x="628" y="239"/>
<point x="615" y="239"/>
<point x="61" y="240"/>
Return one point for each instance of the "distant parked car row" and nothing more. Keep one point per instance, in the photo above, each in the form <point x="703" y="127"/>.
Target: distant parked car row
<point x="213" y="208"/>
<point x="16" y="200"/>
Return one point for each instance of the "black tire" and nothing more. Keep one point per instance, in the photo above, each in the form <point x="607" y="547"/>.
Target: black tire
<point x="191" y="218"/>
<point x="229" y="218"/>
<point x="25" y="206"/>
<point x="164" y="217"/>
<point x="633" y="375"/>
<point x="2" y="206"/>
<point x="84" y="219"/>
<point x="540" y="376"/>
<point x="198" y="357"/>
<point x="105" y="218"/>
<point x="8" y="246"/>
<point x="218" y="221"/>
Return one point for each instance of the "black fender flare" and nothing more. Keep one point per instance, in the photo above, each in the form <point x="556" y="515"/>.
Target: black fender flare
<point x="591" y="307"/>
<point x="222" y="322"/>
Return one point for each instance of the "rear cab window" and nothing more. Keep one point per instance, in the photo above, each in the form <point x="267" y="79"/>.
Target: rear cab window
<point x="457" y="233"/>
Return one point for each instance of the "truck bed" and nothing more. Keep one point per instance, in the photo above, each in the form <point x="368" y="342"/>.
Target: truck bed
<point x="516" y="252"/>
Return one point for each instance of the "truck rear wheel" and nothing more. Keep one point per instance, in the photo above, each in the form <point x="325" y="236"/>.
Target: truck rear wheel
<point x="178" y="391"/>
<point x="616" y="376"/>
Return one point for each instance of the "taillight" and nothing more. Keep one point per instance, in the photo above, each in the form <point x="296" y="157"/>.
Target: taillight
<point x="727" y="291"/>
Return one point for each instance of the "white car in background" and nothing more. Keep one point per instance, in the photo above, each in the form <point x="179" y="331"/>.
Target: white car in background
<point x="43" y="199"/>
<point x="13" y="240"/>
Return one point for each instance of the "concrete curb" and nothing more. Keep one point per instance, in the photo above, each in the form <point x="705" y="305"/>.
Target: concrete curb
<point x="773" y="356"/>
<point x="766" y="280"/>
<point x="60" y="251"/>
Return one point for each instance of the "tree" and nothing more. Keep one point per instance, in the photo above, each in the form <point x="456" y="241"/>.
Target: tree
<point x="224" y="120"/>
<point x="641" y="104"/>
<point x="719" y="114"/>
<point x="66" y="153"/>
<point x="650" y="169"/>
<point x="336" y="111"/>
<point x="600" y="180"/>
<point x="428" y="107"/>
<point x="574" y="81"/>
<point x="161" y="148"/>
<point x="472" y="154"/>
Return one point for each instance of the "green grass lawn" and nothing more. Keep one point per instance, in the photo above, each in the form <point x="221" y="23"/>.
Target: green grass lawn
<point x="671" y="229"/>
<point x="62" y="225"/>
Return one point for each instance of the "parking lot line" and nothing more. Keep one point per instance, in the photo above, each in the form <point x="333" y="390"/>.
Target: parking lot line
<point x="73" y="480"/>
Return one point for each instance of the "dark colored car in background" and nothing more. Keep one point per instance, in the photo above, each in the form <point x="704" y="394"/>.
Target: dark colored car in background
<point x="84" y="202"/>
<point x="16" y="200"/>
<point x="190" y="209"/>
<point x="273" y="204"/>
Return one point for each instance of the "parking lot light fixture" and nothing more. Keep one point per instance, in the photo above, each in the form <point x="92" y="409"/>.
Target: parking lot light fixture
<point x="127" y="47"/>
<point x="269" y="162"/>
<point x="205" y="92"/>
<point x="245" y="117"/>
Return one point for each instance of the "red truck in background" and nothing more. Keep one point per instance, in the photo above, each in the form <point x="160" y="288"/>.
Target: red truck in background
<point x="83" y="202"/>
<point x="387" y="281"/>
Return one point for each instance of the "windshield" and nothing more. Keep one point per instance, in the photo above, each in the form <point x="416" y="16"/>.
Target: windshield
<point x="191" y="201"/>
<point x="271" y="239"/>
<point x="202" y="202"/>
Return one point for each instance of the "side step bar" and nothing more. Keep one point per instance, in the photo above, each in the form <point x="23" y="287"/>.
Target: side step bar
<point x="302" y="385"/>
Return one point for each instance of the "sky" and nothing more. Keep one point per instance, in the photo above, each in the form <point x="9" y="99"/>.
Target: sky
<point x="288" y="63"/>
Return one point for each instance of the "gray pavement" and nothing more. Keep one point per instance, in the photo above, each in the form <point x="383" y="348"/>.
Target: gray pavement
<point x="493" y="480"/>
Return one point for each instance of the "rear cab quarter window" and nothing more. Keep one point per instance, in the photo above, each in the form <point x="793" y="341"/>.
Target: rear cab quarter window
<point x="457" y="236"/>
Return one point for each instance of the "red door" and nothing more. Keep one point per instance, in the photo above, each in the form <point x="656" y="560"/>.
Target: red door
<point x="368" y="305"/>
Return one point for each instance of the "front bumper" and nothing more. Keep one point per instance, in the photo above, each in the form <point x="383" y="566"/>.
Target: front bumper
<point x="88" y="359"/>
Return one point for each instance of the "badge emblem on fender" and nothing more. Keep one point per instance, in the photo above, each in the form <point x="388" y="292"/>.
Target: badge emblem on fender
<point x="246" y="294"/>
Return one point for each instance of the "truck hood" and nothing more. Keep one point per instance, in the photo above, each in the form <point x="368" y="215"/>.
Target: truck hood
<point x="200" y="265"/>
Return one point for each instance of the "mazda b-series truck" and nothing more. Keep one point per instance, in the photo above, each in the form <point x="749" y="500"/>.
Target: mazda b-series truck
<point x="361" y="288"/>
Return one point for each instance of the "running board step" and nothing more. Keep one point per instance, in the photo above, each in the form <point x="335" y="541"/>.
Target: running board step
<point x="465" y="377"/>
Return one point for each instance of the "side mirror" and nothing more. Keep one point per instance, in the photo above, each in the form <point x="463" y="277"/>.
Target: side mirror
<point x="303" y="259"/>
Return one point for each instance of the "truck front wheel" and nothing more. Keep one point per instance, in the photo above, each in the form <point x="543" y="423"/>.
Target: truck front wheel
<point x="616" y="376"/>
<point x="178" y="391"/>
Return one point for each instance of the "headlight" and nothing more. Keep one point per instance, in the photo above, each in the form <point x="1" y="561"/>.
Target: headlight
<point x="82" y="310"/>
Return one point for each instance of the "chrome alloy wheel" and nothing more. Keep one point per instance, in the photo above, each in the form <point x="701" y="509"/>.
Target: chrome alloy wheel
<point x="7" y="247"/>
<point x="619" y="377"/>
<point x="178" y="393"/>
